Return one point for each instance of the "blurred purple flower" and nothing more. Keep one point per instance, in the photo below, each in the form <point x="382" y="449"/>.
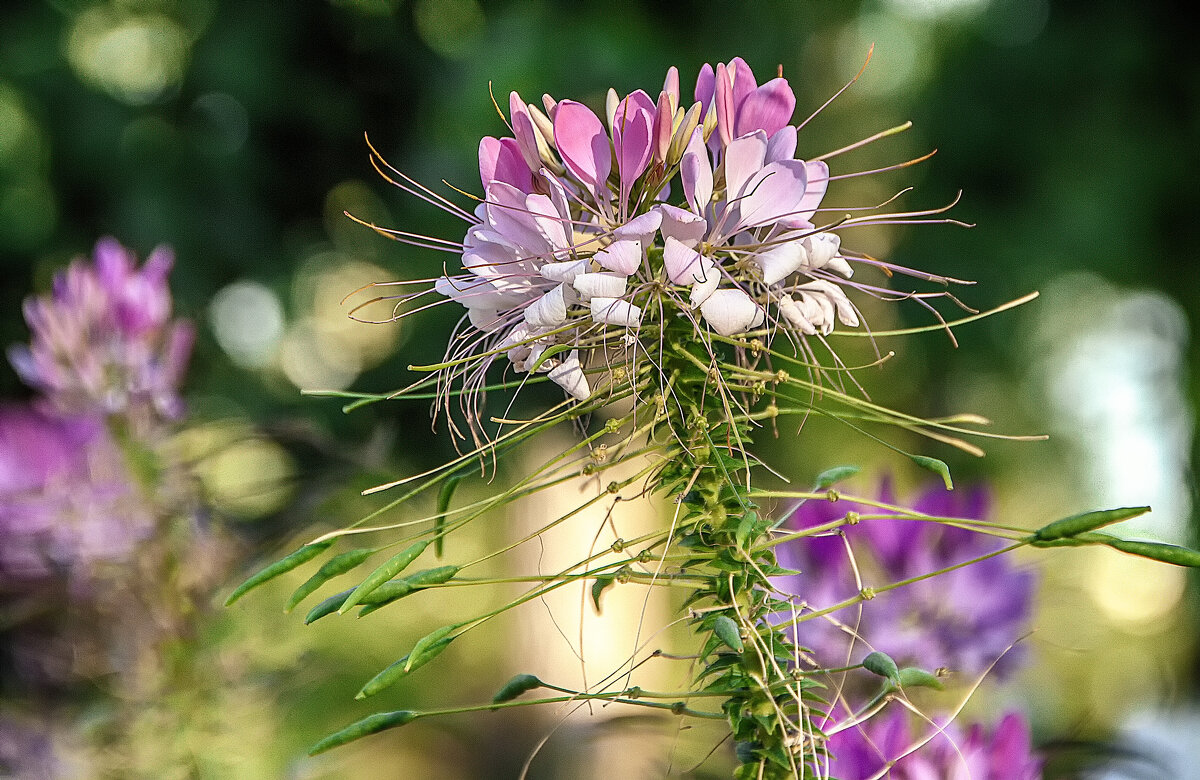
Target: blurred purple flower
<point x="864" y="751"/>
<point x="67" y="501"/>
<point x="963" y="620"/>
<point x="103" y="339"/>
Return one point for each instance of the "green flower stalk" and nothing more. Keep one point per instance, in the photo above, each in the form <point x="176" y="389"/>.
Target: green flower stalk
<point x="672" y="266"/>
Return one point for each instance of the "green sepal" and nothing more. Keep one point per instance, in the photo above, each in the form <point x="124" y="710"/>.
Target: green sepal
<point x="337" y="565"/>
<point x="282" y="566"/>
<point x="372" y="724"/>
<point x="386" y="571"/>
<point x="599" y="586"/>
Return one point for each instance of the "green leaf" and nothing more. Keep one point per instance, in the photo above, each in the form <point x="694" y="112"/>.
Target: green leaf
<point x="1086" y="521"/>
<point x="748" y="526"/>
<point x="518" y="685"/>
<point x="830" y="477"/>
<point x="387" y="570"/>
<point x="372" y="724"/>
<point x="882" y="665"/>
<point x="339" y="564"/>
<point x="1158" y="551"/>
<point x="936" y="466"/>
<point x="727" y="631"/>
<point x="396" y="589"/>
<point x="598" y="587"/>
<point x="408" y="663"/>
<point x="443" y="505"/>
<point x="301" y="556"/>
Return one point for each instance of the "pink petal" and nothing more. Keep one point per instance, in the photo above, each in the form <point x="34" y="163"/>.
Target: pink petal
<point x="671" y="86"/>
<point x="696" y="173"/>
<point x="725" y="105"/>
<point x="743" y="159"/>
<point x="524" y="131"/>
<point x="768" y="108"/>
<point x="681" y="224"/>
<point x="705" y="86"/>
<point x="774" y="193"/>
<point x="817" y="182"/>
<point x="683" y="264"/>
<point x="782" y="145"/>
<point x="583" y="144"/>
<point x="508" y="215"/>
<point x="501" y="160"/>
<point x="632" y="138"/>
<point x="640" y="228"/>
<point x="741" y="78"/>
<point x="663" y="125"/>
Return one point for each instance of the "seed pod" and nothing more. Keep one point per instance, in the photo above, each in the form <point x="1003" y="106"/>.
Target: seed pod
<point x="443" y="504"/>
<point x="936" y="466"/>
<point x="425" y="642"/>
<point x="882" y="665"/>
<point x="389" y="569"/>
<point x="829" y="478"/>
<point x="1158" y="551"/>
<point x="402" y="667"/>
<point x="371" y="724"/>
<point x="327" y="607"/>
<point x="515" y="687"/>
<point x="1087" y="521"/>
<point x="914" y="677"/>
<point x="396" y="589"/>
<point x="303" y="555"/>
<point x="727" y="631"/>
<point x="339" y="564"/>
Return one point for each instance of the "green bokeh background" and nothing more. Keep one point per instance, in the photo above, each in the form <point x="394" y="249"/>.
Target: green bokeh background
<point x="233" y="131"/>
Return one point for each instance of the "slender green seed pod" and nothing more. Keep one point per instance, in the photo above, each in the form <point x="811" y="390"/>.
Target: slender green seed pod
<point x="386" y="571"/>
<point x="301" y="556"/>
<point x="936" y="466"/>
<point x="427" y="641"/>
<point x="402" y="667"/>
<point x="829" y="478"/>
<point x="883" y="665"/>
<point x="515" y="687"/>
<point x="396" y="589"/>
<point x="914" y="677"/>
<point x="443" y="505"/>
<point x="1087" y="521"/>
<point x="727" y="631"/>
<point x="372" y="724"/>
<point x="339" y="564"/>
<point x="1158" y="551"/>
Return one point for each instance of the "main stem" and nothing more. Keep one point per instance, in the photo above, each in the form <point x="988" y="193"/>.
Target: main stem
<point x="743" y="655"/>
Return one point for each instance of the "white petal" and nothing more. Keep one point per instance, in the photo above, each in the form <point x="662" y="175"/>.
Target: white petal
<point x="730" y="311"/>
<point x="822" y="248"/>
<point x="486" y="320"/>
<point x="779" y="262"/>
<point x="604" y="285"/>
<point x="837" y="298"/>
<point x="570" y="377"/>
<point x="702" y="291"/>
<point x="614" y="311"/>
<point x="795" y="315"/>
<point x="624" y="257"/>
<point x="563" y="272"/>
<point x="550" y="310"/>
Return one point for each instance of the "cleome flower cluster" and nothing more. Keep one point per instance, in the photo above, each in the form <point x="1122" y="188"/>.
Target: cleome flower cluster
<point x="595" y="233"/>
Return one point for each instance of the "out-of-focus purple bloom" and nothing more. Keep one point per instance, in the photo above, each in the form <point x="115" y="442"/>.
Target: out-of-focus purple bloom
<point x="27" y="752"/>
<point x="963" y="620"/>
<point x="67" y="500"/>
<point x="864" y="751"/>
<point x="103" y="339"/>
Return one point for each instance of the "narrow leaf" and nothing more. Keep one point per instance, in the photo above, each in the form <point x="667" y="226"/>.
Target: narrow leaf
<point x="727" y="631"/>
<point x="515" y="687"/>
<point x="303" y="555"/>
<point x="387" y="570"/>
<point x="339" y="564"/>
<point x="1086" y="521"/>
<point x="882" y="665"/>
<point x="443" y="505"/>
<point x="599" y="586"/>
<point x="372" y="724"/>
